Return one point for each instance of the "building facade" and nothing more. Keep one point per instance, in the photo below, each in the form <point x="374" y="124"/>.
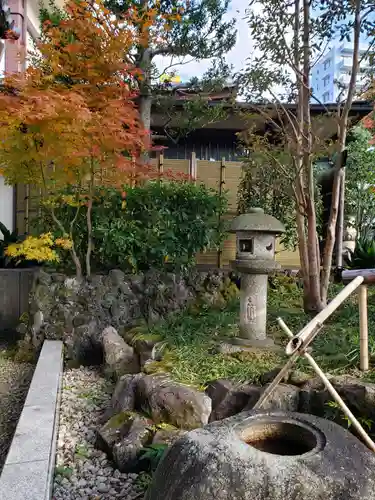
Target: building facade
<point x="331" y="76"/>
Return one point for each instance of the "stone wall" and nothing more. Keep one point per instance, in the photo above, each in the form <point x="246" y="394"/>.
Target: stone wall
<point x="77" y="312"/>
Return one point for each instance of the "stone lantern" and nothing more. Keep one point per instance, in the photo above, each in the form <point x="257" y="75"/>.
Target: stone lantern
<point x="255" y="259"/>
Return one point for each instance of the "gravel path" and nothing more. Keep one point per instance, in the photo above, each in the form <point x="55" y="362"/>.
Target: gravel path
<point x="14" y="383"/>
<point x="82" y="472"/>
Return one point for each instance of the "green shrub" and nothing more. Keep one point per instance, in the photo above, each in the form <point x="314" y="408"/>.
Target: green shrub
<point x="363" y="256"/>
<point x="154" y="225"/>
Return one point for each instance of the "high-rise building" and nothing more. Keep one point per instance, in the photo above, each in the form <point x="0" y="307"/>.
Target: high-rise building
<point x="330" y="77"/>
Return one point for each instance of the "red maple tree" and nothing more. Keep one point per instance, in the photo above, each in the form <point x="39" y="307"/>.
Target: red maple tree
<point x="71" y="118"/>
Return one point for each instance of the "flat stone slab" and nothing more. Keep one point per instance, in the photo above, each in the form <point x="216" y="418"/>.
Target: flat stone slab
<point x="29" y="467"/>
<point x="26" y="481"/>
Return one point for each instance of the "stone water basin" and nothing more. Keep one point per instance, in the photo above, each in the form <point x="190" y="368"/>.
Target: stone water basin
<point x="259" y="455"/>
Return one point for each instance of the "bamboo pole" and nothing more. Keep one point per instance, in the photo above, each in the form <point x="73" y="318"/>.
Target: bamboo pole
<point x="332" y="391"/>
<point x="308" y="333"/>
<point x="275" y="382"/>
<point x="221" y="185"/>
<point x="193" y="167"/>
<point x="161" y="163"/>
<point x="363" y="328"/>
<point x="27" y="208"/>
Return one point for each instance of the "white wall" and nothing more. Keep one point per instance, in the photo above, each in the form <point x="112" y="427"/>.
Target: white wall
<point x="6" y="204"/>
<point x="2" y="58"/>
<point x="33" y="15"/>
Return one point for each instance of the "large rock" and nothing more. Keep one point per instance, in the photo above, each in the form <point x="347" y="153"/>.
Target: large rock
<point x="229" y="398"/>
<point x="357" y="394"/>
<point x="124" y="396"/>
<point x="123" y="438"/>
<point x="119" y="356"/>
<point x="126" y="453"/>
<point x="285" y="398"/>
<point x="85" y="347"/>
<point x="266" y="456"/>
<point x="294" y="377"/>
<point x="146" y="348"/>
<point x="173" y="403"/>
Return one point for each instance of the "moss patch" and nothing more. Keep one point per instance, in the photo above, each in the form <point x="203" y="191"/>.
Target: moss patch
<point x="192" y="337"/>
<point x="121" y="419"/>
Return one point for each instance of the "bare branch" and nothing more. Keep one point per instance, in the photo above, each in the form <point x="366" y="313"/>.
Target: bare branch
<point x="172" y="65"/>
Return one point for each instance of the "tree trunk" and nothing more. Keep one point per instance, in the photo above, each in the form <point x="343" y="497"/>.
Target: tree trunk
<point x="89" y="219"/>
<point x="89" y="237"/>
<point x="340" y="223"/>
<point x="302" y="248"/>
<point x="330" y="235"/>
<point x="313" y="302"/>
<point x="145" y="103"/>
<point x="299" y="192"/>
<point x="77" y="263"/>
<point x="145" y="96"/>
<point x="312" y="298"/>
<point x="73" y="252"/>
<point x="339" y="173"/>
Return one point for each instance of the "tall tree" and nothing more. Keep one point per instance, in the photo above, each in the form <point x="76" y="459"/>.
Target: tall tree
<point x="180" y="32"/>
<point x="290" y="36"/>
<point x="71" y="121"/>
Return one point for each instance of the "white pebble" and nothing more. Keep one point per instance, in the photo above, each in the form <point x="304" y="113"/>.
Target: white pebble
<point x="88" y="474"/>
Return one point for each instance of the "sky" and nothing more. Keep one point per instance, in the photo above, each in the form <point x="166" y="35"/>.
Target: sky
<point x="237" y="56"/>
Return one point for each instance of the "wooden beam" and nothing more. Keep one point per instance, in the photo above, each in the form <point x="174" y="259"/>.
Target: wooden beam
<point x="368" y="275"/>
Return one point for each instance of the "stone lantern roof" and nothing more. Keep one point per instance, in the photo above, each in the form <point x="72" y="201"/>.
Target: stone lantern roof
<point x="256" y="220"/>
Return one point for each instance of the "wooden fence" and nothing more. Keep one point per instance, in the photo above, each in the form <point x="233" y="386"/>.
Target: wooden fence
<point x="223" y="176"/>
<point x="220" y="175"/>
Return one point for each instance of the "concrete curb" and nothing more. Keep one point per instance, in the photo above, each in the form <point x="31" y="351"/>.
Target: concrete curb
<point x="29" y="467"/>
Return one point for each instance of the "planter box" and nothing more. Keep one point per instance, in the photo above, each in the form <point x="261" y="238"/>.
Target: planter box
<point x="15" y="286"/>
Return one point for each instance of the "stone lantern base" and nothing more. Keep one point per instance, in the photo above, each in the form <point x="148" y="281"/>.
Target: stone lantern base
<point x="253" y="303"/>
<point x="253" y="343"/>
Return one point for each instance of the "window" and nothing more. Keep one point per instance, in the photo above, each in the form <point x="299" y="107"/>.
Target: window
<point x="326" y="97"/>
<point x="327" y="64"/>
<point x="246" y="246"/>
<point x="347" y="60"/>
<point x="326" y="80"/>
